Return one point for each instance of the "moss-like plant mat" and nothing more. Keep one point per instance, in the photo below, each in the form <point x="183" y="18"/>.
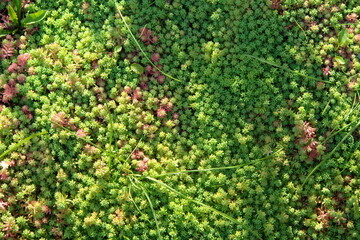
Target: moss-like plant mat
<point x="170" y="119"/>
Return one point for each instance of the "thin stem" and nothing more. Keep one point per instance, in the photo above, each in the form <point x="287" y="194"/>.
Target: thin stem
<point x="215" y="169"/>
<point x="333" y="133"/>
<point x="284" y="68"/>
<point x="301" y="29"/>
<point x="144" y="190"/>
<point x="16" y="146"/>
<point x="203" y="204"/>
<point x="132" y="199"/>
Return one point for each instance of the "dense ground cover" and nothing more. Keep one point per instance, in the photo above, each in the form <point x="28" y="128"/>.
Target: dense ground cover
<point x="104" y="109"/>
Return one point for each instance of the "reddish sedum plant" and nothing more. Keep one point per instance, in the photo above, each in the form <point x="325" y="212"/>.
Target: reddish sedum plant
<point x="155" y="39"/>
<point x="357" y="38"/>
<point x="307" y="140"/>
<point x="142" y="165"/>
<point x="323" y="216"/>
<point x="22" y="59"/>
<point x="309" y="132"/>
<point x="152" y="73"/>
<point x="127" y="89"/>
<point x="10" y="91"/>
<point x="13" y="68"/>
<point x="161" y="112"/>
<point x="166" y="104"/>
<point x="61" y="119"/>
<point x="3" y="176"/>
<point x="148" y="69"/>
<point x="138" y="154"/>
<point x="145" y="36"/>
<point x="155" y="57"/>
<point x="144" y="86"/>
<point x="351" y="85"/>
<point x="3" y="205"/>
<point x="21" y="78"/>
<point x="85" y="7"/>
<point x="21" y="63"/>
<point x="37" y="209"/>
<point x="161" y="79"/>
<point x="81" y="133"/>
<point x="175" y="115"/>
<point x="352" y="17"/>
<point x="26" y="110"/>
<point x="311" y="150"/>
<point x="137" y="95"/>
<point x="276" y="4"/>
<point x="4" y="20"/>
<point x="327" y="71"/>
<point x="7" y="50"/>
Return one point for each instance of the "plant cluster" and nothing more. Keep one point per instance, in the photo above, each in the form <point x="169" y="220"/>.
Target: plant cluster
<point x="181" y="120"/>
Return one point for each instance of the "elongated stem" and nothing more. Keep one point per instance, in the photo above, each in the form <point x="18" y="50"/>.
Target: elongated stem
<point x="354" y="107"/>
<point x="16" y="146"/>
<point x="284" y="68"/>
<point x="301" y="29"/>
<point x="215" y="169"/>
<point x="151" y="206"/>
<point x="204" y="205"/>
<point x="325" y="108"/>
<point x="333" y="132"/>
<point x="132" y="199"/>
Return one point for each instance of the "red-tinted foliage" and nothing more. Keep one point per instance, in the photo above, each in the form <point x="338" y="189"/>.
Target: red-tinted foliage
<point x="161" y="79"/>
<point x="155" y="57"/>
<point x="22" y="59"/>
<point x="352" y="17"/>
<point x="81" y="133"/>
<point x="61" y="119"/>
<point x="142" y="165"/>
<point x="13" y="68"/>
<point x="327" y="71"/>
<point x="307" y="140"/>
<point x="138" y="154"/>
<point x="276" y="4"/>
<point x="3" y="205"/>
<point x="7" y="50"/>
<point x="161" y="112"/>
<point x="10" y="91"/>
